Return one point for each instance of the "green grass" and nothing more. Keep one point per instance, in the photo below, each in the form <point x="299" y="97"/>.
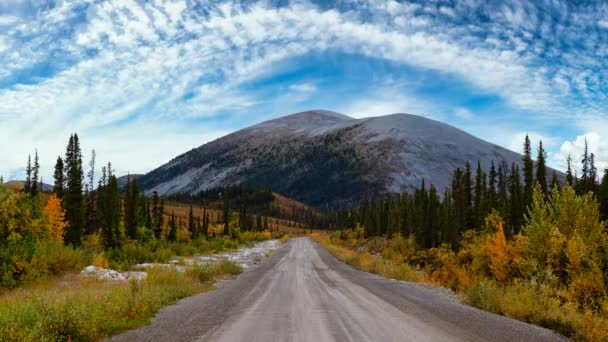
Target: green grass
<point x="90" y="310"/>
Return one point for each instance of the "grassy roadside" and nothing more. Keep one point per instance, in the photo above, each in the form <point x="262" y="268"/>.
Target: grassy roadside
<point x="90" y="309"/>
<point x="384" y="265"/>
<point x="531" y="302"/>
<point x="66" y="307"/>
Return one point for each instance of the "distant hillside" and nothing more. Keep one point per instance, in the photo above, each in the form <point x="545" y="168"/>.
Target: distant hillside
<point x="19" y="185"/>
<point x="325" y="158"/>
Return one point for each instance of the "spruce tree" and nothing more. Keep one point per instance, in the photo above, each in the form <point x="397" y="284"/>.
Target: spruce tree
<point x="130" y="208"/>
<point x="468" y="198"/>
<point x="27" y="185"/>
<point x="592" y="186"/>
<point x="491" y="193"/>
<point x="91" y="224"/>
<point x="516" y="204"/>
<point x="35" y="173"/>
<point x="109" y="208"/>
<point x="157" y="215"/>
<point x="541" y="168"/>
<point x="479" y="200"/>
<point x="528" y="172"/>
<point x="603" y="195"/>
<point x="226" y="217"/>
<point x="73" y="199"/>
<point x="172" y="234"/>
<point x="58" y="177"/>
<point x="569" y="176"/>
<point x="191" y="224"/>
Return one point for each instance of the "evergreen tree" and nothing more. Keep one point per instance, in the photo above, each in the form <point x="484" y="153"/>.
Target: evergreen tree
<point x="503" y="171"/>
<point x="205" y="226"/>
<point x="541" y="168"/>
<point x="468" y="198"/>
<point x="603" y="195"/>
<point x="172" y="234"/>
<point x="528" y="172"/>
<point x="191" y="224"/>
<point x="592" y="186"/>
<point x="130" y="208"/>
<point x="479" y="200"/>
<point x="58" y="177"/>
<point x="569" y="176"/>
<point x="516" y="203"/>
<point x="35" y="173"/>
<point x="491" y="193"/>
<point x="91" y="224"/>
<point x="157" y="215"/>
<point x="27" y="185"/>
<point x="109" y="208"/>
<point x="73" y="199"/>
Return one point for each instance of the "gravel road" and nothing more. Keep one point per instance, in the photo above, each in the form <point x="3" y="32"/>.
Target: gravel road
<point x="302" y="293"/>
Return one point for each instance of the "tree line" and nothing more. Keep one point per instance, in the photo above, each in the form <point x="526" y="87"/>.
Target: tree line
<point x="103" y="209"/>
<point x="434" y="218"/>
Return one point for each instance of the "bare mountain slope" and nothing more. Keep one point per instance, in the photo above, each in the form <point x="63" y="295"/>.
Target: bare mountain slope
<point x="326" y="158"/>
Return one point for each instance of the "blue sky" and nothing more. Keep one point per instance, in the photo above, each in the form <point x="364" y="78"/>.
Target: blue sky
<point x="144" y="81"/>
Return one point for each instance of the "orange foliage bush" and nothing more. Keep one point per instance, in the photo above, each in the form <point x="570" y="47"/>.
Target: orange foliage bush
<point x="497" y="251"/>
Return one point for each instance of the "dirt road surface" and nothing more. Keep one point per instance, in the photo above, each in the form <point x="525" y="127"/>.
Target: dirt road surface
<point x="302" y="293"/>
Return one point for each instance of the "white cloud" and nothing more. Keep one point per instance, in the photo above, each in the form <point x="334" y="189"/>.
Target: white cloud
<point x="390" y="98"/>
<point x="597" y="144"/>
<point x="463" y="113"/>
<point x="169" y="60"/>
<point x="303" y="87"/>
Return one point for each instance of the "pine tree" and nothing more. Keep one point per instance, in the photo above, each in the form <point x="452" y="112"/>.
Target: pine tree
<point x="503" y="171"/>
<point x="541" y="168"/>
<point x="172" y="234"/>
<point x="603" y="195"/>
<point x="35" y="173"/>
<point x="130" y="208"/>
<point x="569" y="176"/>
<point x="516" y="204"/>
<point x="584" y="185"/>
<point x="206" y="222"/>
<point x="73" y="199"/>
<point x="592" y="186"/>
<point x="528" y="172"/>
<point x="91" y="225"/>
<point x="191" y="224"/>
<point x="491" y="193"/>
<point x="27" y="185"/>
<point x="157" y="215"/>
<point x="479" y="200"/>
<point x="109" y="208"/>
<point x="468" y="198"/>
<point x="59" y="178"/>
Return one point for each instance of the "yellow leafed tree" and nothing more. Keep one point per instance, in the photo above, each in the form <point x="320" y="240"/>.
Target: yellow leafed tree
<point x="56" y="218"/>
<point x="497" y="251"/>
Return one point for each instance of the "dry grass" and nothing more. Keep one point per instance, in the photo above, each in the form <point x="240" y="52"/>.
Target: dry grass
<point x="365" y="261"/>
<point x="88" y="310"/>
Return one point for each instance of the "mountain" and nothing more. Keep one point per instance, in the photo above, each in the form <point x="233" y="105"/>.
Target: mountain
<point x="325" y="158"/>
<point x="19" y="185"/>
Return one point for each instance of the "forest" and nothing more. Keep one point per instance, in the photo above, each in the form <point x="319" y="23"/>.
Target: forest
<point x="510" y="242"/>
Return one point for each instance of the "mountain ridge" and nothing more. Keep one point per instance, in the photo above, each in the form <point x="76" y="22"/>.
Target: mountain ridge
<point x="326" y="158"/>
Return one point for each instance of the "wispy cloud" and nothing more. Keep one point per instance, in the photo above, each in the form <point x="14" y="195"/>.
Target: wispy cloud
<point x="86" y="65"/>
